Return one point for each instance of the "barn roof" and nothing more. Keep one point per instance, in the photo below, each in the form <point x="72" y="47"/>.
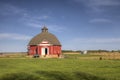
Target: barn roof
<point x="44" y="36"/>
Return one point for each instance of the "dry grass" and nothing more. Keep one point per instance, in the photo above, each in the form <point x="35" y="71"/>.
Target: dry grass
<point x="103" y="55"/>
<point x="94" y="56"/>
<point x="108" y="55"/>
<point x="13" y="55"/>
<point x="71" y="53"/>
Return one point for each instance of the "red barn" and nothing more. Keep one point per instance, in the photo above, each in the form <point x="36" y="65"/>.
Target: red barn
<point x="44" y="44"/>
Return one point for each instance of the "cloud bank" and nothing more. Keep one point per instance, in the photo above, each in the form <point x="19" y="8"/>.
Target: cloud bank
<point x="100" y="20"/>
<point x="14" y="36"/>
<point x="99" y="5"/>
<point x="96" y="40"/>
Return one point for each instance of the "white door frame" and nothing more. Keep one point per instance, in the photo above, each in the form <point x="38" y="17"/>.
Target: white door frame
<point x="43" y="50"/>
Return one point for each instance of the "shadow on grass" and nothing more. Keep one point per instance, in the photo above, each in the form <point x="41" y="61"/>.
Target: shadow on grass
<point x="50" y="75"/>
<point x="19" y="76"/>
<point x="56" y="75"/>
<point x="84" y="76"/>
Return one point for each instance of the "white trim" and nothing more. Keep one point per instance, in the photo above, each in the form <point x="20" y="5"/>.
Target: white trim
<point x="44" y="44"/>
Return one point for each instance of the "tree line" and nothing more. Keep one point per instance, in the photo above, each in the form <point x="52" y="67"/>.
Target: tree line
<point x="91" y="51"/>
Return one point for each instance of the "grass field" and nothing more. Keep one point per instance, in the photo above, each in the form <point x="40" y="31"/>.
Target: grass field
<point x="73" y="67"/>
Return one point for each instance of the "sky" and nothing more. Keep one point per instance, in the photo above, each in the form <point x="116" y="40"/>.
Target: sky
<point x="78" y="24"/>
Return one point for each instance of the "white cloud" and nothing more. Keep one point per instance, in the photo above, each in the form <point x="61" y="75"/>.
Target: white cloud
<point x="23" y="15"/>
<point x="30" y="20"/>
<point x="96" y="40"/>
<point x="99" y="5"/>
<point x="36" y="25"/>
<point x="44" y="17"/>
<point x="56" y="28"/>
<point x="34" y="21"/>
<point x="92" y="44"/>
<point x="52" y="27"/>
<point x="8" y="9"/>
<point x="14" y="36"/>
<point x="13" y="47"/>
<point x="100" y="2"/>
<point x="36" y="17"/>
<point x="102" y="5"/>
<point x="100" y="20"/>
<point x="104" y="2"/>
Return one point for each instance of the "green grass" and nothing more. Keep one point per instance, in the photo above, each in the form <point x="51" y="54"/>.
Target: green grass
<point x="70" y="68"/>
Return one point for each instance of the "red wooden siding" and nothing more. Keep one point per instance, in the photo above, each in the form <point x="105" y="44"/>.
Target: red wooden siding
<point x="53" y="50"/>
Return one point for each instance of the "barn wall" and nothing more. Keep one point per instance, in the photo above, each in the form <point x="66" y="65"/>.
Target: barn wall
<point x="32" y="50"/>
<point x="39" y="50"/>
<point x="57" y="50"/>
<point x="53" y="50"/>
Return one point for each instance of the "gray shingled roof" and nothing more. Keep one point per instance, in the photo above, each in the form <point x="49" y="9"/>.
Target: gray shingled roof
<point x="44" y="35"/>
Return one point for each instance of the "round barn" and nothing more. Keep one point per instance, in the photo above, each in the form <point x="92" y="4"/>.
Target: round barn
<point x="44" y="44"/>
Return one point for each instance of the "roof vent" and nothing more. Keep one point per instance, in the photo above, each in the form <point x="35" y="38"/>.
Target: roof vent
<point x="44" y="29"/>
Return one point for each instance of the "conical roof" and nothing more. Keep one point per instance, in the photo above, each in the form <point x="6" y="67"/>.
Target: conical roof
<point x="44" y="36"/>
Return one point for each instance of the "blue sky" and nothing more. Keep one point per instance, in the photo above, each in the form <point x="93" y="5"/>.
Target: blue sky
<point x="78" y="24"/>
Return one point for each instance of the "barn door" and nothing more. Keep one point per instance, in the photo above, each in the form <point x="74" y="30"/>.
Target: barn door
<point x="44" y="51"/>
